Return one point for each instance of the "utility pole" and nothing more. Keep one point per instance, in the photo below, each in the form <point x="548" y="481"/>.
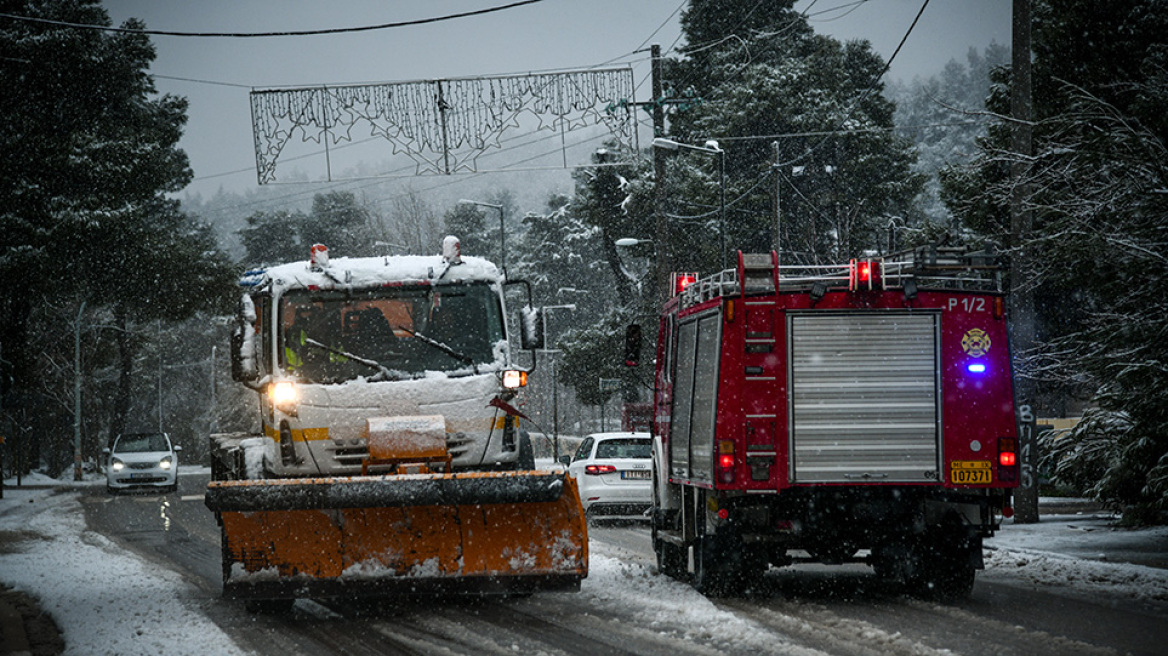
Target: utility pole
<point x="778" y="206"/>
<point x="1021" y="291"/>
<point x="664" y="263"/>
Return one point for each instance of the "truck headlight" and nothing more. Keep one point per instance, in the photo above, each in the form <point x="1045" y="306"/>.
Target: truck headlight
<point x="513" y="379"/>
<point x="284" y="396"/>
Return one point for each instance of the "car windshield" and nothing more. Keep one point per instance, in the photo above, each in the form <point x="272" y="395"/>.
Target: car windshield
<point x="142" y="443"/>
<point x="389" y="333"/>
<point x="624" y="448"/>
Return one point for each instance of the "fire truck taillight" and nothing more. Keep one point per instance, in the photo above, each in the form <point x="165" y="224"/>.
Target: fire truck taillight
<point x="1007" y="459"/>
<point x="726" y="461"/>
<point x="679" y="281"/>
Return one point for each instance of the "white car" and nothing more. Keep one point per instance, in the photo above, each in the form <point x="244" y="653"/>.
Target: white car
<point x="614" y="473"/>
<point x="142" y="460"/>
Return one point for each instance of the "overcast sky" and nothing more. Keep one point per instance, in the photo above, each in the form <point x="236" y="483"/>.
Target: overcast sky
<point x="217" y="73"/>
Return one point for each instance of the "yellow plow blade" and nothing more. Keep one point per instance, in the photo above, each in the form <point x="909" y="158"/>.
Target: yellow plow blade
<point x="423" y="533"/>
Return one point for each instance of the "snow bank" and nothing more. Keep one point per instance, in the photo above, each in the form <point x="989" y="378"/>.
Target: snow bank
<point x="104" y="599"/>
<point x="1039" y="568"/>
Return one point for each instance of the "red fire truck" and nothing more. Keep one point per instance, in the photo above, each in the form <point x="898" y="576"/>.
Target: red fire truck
<point x="853" y="413"/>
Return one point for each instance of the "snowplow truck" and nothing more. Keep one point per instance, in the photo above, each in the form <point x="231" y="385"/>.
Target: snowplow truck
<point x="854" y="413"/>
<point x="390" y="458"/>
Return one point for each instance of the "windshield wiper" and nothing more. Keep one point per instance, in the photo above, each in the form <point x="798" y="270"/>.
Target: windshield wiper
<point x="382" y="370"/>
<point x="461" y="357"/>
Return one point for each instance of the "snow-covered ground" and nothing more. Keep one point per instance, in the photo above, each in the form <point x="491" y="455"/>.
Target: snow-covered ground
<point x="104" y="599"/>
<point x="109" y="601"/>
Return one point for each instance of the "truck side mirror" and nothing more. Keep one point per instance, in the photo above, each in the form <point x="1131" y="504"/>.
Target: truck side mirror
<point x="244" y="368"/>
<point x="243" y="363"/>
<point x="531" y="328"/>
<point x="633" y="345"/>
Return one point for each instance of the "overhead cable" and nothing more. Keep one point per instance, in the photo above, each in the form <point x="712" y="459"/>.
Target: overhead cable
<point x="242" y="35"/>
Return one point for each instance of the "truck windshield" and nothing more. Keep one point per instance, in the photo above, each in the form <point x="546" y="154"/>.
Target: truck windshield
<point x="389" y="333"/>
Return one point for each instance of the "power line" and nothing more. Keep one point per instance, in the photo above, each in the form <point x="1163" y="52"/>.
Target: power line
<point x="336" y="30"/>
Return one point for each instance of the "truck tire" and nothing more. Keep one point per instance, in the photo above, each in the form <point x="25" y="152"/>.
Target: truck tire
<point x="717" y="557"/>
<point x="669" y="558"/>
<point x="939" y="565"/>
<point x="946" y="573"/>
<point x="711" y="575"/>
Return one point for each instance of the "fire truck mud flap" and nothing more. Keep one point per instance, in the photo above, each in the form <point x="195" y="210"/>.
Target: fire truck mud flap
<point x="474" y="533"/>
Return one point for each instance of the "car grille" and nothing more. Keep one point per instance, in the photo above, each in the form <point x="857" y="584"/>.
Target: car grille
<point x="142" y="465"/>
<point x="140" y="481"/>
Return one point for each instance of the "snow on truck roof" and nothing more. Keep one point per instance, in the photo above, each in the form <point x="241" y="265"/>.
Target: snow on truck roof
<point x="366" y="272"/>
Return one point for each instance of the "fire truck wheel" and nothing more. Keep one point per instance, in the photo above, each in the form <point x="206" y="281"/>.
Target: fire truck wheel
<point x="718" y="564"/>
<point x="943" y="568"/>
<point x="706" y="577"/>
<point x="669" y="559"/>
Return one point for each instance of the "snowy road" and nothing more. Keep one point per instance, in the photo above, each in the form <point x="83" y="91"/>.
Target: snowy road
<point x="1029" y="601"/>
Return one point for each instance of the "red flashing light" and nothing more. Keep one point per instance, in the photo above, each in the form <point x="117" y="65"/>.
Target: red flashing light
<point x="1006" y="458"/>
<point x="597" y="470"/>
<point x="865" y="275"/>
<point x="681" y="281"/>
<point x="1007" y="512"/>
<point x="723" y="513"/>
<point x="726" y="461"/>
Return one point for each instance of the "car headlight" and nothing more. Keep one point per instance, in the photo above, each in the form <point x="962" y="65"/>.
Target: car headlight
<point x="117" y="465"/>
<point x="165" y="463"/>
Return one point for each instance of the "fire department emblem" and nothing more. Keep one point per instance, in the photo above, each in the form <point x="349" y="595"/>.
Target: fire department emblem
<point x="976" y="342"/>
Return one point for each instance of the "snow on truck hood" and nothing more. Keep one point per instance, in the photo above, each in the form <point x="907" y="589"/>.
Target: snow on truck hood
<point x="365" y="272"/>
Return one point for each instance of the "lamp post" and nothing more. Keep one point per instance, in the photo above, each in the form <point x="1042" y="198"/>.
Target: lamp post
<point x="571" y="307"/>
<point x="712" y="148"/>
<point x="502" y="230"/>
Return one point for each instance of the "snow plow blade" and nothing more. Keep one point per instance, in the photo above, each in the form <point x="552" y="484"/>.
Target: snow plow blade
<point x="474" y="533"/>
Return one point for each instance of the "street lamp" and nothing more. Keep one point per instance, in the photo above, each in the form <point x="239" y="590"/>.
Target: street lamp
<point x="712" y="148"/>
<point x="502" y="230"/>
<point x="571" y="307"/>
<point x="630" y="242"/>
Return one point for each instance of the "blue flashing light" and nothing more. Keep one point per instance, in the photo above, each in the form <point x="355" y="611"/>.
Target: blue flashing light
<point x="976" y="367"/>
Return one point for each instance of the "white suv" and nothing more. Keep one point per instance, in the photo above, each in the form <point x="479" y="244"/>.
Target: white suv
<point x="142" y="460"/>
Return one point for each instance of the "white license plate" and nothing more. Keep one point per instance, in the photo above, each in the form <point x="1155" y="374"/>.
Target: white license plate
<point x="638" y="475"/>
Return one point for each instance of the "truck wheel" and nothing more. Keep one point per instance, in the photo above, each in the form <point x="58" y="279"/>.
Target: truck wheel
<point x="717" y="558"/>
<point x="942" y="567"/>
<point x="669" y="559"/>
<point x="949" y="581"/>
<point x="710" y="576"/>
